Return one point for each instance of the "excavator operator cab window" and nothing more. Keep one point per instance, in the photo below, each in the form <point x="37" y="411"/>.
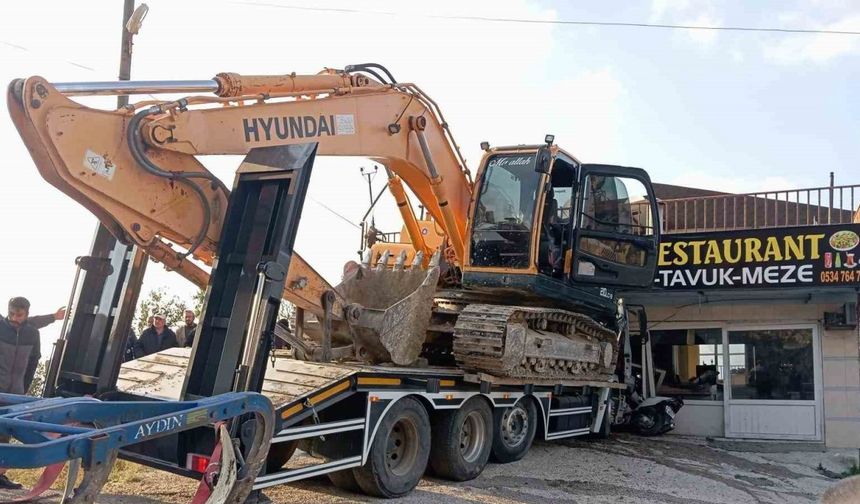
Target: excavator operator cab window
<point x="556" y="225"/>
<point x="504" y="212"/>
<point x="608" y="206"/>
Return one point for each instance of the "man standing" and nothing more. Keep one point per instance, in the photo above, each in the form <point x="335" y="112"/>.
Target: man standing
<point x="155" y="338"/>
<point x="130" y="343"/>
<point x="19" y="356"/>
<point x="185" y="334"/>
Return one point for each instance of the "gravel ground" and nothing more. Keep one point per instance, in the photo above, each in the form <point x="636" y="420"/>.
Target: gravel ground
<point x="624" y="469"/>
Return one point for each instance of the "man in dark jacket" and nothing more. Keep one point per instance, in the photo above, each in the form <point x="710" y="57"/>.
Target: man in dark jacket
<point x="19" y="356"/>
<point x="130" y="343"/>
<point x="155" y="338"/>
<point x="185" y="334"/>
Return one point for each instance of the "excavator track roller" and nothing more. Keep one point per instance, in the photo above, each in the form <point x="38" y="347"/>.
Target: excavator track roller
<point x="528" y="342"/>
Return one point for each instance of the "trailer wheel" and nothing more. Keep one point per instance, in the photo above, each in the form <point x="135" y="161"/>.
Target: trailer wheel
<point x="399" y="452"/>
<point x="345" y="480"/>
<point x="279" y="454"/>
<point x="514" y="430"/>
<point x="463" y="440"/>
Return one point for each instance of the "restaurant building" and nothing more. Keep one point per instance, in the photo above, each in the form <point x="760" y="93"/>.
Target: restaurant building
<point x="754" y="322"/>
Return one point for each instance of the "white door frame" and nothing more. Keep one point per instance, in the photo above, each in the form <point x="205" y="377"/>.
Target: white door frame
<point x="817" y="377"/>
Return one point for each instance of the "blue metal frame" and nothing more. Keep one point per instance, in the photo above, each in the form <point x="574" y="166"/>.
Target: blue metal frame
<point x="115" y="425"/>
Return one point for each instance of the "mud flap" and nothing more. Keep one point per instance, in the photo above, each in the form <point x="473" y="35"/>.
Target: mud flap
<point x="221" y="473"/>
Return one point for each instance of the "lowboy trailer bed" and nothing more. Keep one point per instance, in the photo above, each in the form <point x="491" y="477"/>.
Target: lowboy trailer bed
<point x="337" y="409"/>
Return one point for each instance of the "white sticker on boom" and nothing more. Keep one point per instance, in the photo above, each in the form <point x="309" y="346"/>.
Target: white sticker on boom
<point x="98" y="164"/>
<point x="344" y="124"/>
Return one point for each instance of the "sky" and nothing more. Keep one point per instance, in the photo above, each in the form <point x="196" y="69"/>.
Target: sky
<point x="731" y="111"/>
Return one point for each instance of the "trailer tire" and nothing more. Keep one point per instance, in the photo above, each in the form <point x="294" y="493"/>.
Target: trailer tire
<point x="399" y="451"/>
<point x="463" y="440"/>
<point x="345" y="480"/>
<point x="514" y="430"/>
<point x="280" y="454"/>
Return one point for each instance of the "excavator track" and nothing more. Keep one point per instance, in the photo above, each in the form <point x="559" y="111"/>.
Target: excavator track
<point x="529" y="342"/>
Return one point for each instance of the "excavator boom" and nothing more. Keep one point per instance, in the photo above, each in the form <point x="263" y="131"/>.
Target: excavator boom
<point x="135" y="169"/>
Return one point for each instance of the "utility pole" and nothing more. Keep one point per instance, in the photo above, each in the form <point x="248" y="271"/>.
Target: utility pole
<point x="131" y="21"/>
<point x="125" y="50"/>
<point x="107" y="295"/>
<point x="369" y="175"/>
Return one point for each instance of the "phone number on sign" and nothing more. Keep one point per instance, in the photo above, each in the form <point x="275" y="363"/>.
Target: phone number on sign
<point x="841" y="276"/>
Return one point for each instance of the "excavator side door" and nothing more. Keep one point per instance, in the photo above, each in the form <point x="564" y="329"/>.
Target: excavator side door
<point x="616" y="230"/>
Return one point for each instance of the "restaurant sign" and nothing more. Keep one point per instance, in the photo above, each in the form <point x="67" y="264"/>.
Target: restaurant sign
<point x="779" y="257"/>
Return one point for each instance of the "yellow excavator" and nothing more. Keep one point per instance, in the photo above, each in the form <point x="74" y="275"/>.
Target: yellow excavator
<point x="520" y="282"/>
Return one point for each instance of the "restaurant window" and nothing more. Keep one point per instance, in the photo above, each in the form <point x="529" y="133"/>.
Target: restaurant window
<point x="777" y="364"/>
<point x="688" y="363"/>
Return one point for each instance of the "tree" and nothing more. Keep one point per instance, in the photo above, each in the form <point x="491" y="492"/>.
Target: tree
<point x="158" y="301"/>
<point x="198" y="302"/>
<point x="287" y="311"/>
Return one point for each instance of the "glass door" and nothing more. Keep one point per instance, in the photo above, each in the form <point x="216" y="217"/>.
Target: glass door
<point x="772" y="385"/>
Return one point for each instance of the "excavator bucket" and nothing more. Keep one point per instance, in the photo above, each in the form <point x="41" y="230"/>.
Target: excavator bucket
<point x="388" y="309"/>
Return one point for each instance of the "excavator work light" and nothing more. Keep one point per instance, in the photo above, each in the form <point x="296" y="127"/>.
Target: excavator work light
<point x="485" y="146"/>
<point x="549" y="139"/>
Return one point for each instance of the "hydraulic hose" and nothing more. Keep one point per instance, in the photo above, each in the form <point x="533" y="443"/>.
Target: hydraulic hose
<point x="137" y="146"/>
<point x="373" y="74"/>
<point x="367" y="66"/>
<point x="451" y="227"/>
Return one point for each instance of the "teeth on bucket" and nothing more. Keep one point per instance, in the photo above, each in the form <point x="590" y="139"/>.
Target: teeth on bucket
<point x="366" y="257"/>
<point x="383" y="260"/>
<point x="434" y="261"/>
<point x="401" y="260"/>
<point x="419" y="258"/>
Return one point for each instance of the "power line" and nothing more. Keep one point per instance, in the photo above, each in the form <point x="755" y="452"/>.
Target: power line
<point x="563" y="22"/>
<point x="320" y="203"/>
<point x="27" y="49"/>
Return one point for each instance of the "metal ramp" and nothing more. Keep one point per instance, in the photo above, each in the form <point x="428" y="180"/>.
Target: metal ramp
<point x="162" y="374"/>
<point x="291" y="385"/>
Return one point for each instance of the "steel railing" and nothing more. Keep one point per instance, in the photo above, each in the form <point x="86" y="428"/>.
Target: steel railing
<point x="794" y="207"/>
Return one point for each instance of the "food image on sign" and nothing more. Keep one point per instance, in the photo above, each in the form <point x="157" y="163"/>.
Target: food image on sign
<point x="844" y="240"/>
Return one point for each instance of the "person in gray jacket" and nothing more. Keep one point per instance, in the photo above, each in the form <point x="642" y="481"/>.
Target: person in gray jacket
<point x="185" y="333"/>
<point x="19" y="356"/>
<point x="42" y="321"/>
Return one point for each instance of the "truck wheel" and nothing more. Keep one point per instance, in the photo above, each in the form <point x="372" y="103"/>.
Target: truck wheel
<point x="280" y="454"/>
<point x="514" y="430"/>
<point x="648" y="421"/>
<point x="345" y="480"/>
<point x="398" y="454"/>
<point x="463" y="440"/>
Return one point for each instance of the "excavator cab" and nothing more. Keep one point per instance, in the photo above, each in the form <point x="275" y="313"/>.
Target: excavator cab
<point x="544" y="222"/>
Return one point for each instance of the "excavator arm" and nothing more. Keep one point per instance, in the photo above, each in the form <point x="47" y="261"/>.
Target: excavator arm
<point x="135" y="168"/>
